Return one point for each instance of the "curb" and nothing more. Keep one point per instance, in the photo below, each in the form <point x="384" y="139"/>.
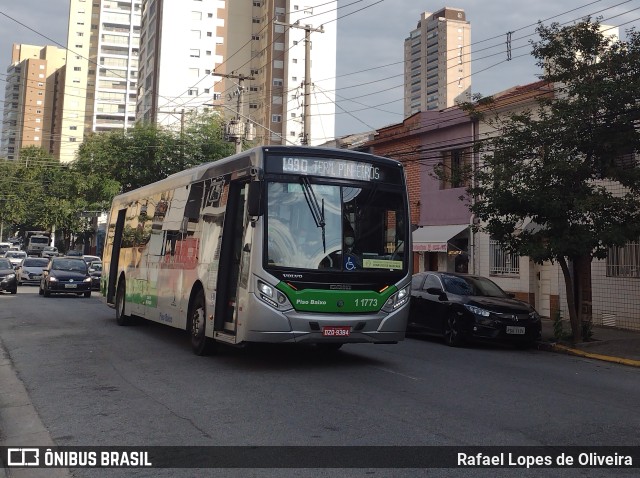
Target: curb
<point x="554" y="347"/>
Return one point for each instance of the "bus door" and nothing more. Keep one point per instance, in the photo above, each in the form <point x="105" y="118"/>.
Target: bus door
<point x="234" y="259"/>
<point x="114" y="243"/>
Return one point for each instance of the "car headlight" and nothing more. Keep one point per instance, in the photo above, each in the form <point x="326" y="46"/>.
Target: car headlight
<point x="88" y="279"/>
<point x="533" y="315"/>
<point x="10" y="276"/>
<point x="272" y="296"/>
<point x="52" y="279"/>
<point x="396" y="300"/>
<point x="477" y="310"/>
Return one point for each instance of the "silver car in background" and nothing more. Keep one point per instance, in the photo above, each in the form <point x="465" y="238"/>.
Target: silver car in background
<point x="30" y="271"/>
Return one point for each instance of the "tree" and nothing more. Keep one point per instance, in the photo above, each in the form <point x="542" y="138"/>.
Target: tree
<point x="120" y="161"/>
<point x="571" y="165"/>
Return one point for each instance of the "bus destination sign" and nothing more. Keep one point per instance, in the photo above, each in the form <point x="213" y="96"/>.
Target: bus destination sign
<point x="329" y="167"/>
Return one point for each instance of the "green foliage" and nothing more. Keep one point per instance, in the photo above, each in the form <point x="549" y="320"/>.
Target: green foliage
<point x="556" y="163"/>
<point x="39" y="191"/>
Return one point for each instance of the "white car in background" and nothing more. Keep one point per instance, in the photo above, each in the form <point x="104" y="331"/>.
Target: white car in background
<point x="49" y="251"/>
<point x="15" y="257"/>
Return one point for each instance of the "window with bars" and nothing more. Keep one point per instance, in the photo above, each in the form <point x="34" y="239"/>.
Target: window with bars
<point x="502" y="262"/>
<point x="624" y="261"/>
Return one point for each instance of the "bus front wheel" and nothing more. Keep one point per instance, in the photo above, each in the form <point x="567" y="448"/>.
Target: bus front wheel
<point x="200" y="343"/>
<point x="121" y="317"/>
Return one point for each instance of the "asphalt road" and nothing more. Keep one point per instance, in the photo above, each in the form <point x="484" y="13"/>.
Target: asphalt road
<point x="94" y="383"/>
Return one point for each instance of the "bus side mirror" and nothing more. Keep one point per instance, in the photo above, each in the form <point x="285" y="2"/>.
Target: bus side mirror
<point x="254" y="201"/>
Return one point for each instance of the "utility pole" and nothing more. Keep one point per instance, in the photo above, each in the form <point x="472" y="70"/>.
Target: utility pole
<point x="306" y="125"/>
<point x="236" y="129"/>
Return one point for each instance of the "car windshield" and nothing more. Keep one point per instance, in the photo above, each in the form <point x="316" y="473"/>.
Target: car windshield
<point x="14" y="254"/>
<point x="476" y="286"/>
<point x="5" y="264"/>
<point x="69" y="265"/>
<point x="35" y="262"/>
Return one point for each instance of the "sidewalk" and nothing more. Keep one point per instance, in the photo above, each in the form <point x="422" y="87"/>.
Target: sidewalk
<point x="608" y="344"/>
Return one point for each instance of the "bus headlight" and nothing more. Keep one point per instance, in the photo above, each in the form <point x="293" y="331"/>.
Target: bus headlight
<point x="272" y="296"/>
<point x="397" y="300"/>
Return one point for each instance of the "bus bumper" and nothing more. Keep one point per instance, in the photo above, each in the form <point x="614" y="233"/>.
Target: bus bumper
<point x="274" y="326"/>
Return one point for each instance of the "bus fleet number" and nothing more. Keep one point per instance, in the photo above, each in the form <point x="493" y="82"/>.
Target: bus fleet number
<point x="366" y="302"/>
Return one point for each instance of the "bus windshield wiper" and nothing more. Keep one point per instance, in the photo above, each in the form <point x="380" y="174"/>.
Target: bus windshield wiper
<point x="317" y="211"/>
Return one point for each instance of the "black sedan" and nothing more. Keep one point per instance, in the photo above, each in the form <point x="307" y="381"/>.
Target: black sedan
<point x="8" y="279"/>
<point x="66" y="275"/>
<point x="463" y="308"/>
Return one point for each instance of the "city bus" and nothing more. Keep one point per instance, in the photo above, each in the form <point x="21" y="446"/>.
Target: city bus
<point x="277" y="244"/>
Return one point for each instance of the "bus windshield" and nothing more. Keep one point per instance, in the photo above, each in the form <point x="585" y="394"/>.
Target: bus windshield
<point x="341" y="228"/>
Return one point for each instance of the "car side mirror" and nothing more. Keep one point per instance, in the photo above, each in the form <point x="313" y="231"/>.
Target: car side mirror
<point x="437" y="291"/>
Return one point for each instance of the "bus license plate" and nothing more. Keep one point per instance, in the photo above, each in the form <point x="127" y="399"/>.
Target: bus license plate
<point x="515" y="330"/>
<point x="336" y="331"/>
<point x="70" y="286"/>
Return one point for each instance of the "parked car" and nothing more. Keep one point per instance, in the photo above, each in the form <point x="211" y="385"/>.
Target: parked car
<point x="89" y="259"/>
<point x="65" y="275"/>
<point x="49" y="251"/>
<point x="95" y="271"/>
<point x="15" y="257"/>
<point x="30" y="271"/>
<point x="461" y="307"/>
<point x="8" y="280"/>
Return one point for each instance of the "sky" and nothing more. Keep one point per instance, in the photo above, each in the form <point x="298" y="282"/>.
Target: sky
<point x="371" y="37"/>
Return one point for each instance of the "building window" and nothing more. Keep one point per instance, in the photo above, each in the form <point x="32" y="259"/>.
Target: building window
<point x="76" y="68"/>
<point x="276" y="118"/>
<point x="192" y="92"/>
<point x="502" y="262"/>
<point x="194" y="53"/>
<point x="277" y="82"/>
<point x="73" y="128"/>
<point x="624" y="261"/>
<point x="453" y="169"/>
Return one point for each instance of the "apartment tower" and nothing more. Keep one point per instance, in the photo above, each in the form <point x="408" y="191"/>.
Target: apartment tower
<point x="214" y="52"/>
<point x="32" y="92"/>
<point x="437" y="62"/>
<point x="102" y="70"/>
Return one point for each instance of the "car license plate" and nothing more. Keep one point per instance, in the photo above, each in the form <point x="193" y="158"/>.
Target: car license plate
<point x="71" y="286"/>
<point x="336" y="331"/>
<point x="515" y="330"/>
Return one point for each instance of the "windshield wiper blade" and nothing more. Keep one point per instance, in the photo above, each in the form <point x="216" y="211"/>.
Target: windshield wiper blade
<point x="317" y="212"/>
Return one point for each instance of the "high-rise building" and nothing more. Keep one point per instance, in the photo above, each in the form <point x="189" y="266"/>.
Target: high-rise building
<point x="437" y="62"/>
<point x="32" y="91"/>
<point x="102" y="70"/>
<point x="194" y="57"/>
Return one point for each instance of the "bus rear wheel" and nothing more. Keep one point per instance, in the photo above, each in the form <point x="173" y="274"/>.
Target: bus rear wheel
<point x="121" y="317"/>
<point x="200" y="343"/>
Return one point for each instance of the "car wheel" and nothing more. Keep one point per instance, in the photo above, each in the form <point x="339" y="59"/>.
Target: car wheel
<point x="87" y="294"/>
<point x="452" y="334"/>
<point x="200" y="343"/>
<point x="121" y="316"/>
<point x="14" y="290"/>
